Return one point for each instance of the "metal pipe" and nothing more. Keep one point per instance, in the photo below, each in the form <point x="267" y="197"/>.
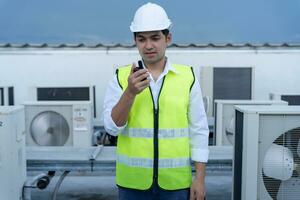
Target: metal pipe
<point x="40" y="181"/>
<point x="96" y="152"/>
<point x="60" y="180"/>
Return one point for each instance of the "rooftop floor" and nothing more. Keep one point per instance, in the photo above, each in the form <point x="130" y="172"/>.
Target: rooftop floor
<point x="91" y="187"/>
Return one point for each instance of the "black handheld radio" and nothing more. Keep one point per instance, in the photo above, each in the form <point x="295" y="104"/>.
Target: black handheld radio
<point x="139" y="67"/>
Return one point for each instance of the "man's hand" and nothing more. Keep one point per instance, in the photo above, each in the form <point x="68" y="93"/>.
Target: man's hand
<point x="137" y="81"/>
<point x="136" y="84"/>
<point x="197" y="191"/>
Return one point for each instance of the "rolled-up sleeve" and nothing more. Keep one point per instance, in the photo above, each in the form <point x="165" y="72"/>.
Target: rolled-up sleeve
<point x="198" y="126"/>
<point x="112" y="96"/>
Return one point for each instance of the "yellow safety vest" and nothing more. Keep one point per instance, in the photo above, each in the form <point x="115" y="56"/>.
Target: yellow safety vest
<point x="155" y="143"/>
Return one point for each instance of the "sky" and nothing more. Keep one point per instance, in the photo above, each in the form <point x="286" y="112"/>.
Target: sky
<point x="107" y="22"/>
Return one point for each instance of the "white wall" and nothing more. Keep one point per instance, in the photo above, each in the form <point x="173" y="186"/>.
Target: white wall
<point x="26" y="69"/>
<point x="274" y="70"/>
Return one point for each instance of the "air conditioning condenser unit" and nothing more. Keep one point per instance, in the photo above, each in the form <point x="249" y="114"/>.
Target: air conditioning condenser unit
<point x="58" y="123"/>
<point x="224" y="117"/>
<point x="267" y="153"/>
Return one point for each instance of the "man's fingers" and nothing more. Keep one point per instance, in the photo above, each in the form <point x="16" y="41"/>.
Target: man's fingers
<point x="132" y="67"/>
<point x="192" y="194"/>
<point x="138" y="80"/>
<point x="142" y="88"/>
<point x="143" y="84"/>
<point x="142" y="77"/>
<point x="200" y="196"/>
<point x="140" y="72"/>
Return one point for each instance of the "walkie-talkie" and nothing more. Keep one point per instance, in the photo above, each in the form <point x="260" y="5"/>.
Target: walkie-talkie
<point x="139" y="67"/>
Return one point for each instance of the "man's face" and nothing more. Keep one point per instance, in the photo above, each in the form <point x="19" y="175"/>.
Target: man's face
<point x="152" y="45"/>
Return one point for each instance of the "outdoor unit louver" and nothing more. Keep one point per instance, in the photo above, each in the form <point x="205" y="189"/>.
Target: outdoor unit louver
<point x="64" y="93"/>
<point x="7" y="96"/>
<point x="267" y="153"/>
<point x="224" y="117"/>
<point x="58" y="123"/>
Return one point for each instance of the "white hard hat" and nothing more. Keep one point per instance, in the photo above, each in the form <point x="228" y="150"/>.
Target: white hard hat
<point x="150" y="17"/>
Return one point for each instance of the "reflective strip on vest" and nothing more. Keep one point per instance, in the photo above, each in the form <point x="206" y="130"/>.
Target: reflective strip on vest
<point x="162" y="133"/>
<point x="148" y="163"/>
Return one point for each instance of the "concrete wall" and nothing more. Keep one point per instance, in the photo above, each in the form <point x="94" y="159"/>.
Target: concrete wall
<point x="274" y="71"/>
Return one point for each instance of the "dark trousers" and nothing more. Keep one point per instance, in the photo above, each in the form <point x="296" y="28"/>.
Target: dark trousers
<point x="154" y="193"/>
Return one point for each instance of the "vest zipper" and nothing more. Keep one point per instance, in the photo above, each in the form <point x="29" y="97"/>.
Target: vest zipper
<point x="155" y="131"/>
<point x="155" y="140"/>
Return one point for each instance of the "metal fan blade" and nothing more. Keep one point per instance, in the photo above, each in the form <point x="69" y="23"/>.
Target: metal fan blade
<point x="278" y="162"/>
<point x="50" y="129"/>
<point x="289" y="189"/>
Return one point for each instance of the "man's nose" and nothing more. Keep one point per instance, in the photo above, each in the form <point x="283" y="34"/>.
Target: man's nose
<point x="148" y="44"/>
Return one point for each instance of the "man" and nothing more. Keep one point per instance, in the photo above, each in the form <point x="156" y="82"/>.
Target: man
<point x="157" y="113"/>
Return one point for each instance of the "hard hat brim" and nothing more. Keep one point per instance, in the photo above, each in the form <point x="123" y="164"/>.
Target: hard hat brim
<point x="147" y="29"/>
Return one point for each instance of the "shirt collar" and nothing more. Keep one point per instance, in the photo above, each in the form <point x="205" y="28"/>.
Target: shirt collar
<point x="169" y="67"/>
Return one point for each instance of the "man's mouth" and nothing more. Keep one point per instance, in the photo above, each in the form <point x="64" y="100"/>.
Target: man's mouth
<point x="150" y="53"/>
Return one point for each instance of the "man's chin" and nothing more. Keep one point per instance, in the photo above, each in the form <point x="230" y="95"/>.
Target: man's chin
<point x="150" y="60"/>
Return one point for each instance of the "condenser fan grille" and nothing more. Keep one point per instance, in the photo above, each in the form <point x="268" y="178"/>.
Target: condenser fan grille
<point x="229" y="130"/>
<point x="280" y="170"/>
<point x="49" y="128"/>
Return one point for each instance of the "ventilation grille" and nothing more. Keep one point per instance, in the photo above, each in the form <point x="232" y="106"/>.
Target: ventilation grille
<point x="280" y="172"/>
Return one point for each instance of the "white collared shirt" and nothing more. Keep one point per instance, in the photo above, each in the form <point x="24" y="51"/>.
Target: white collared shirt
<point x="198" y="127"/>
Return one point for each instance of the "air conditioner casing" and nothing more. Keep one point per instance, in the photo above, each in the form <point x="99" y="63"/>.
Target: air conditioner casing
<point x="65" y="93"/>
<point x="291" y="98"/>
<point x="224" y="115"/>
<point x="75" y="118"/>
<point x="12" y="152"/>
<point x="258" y="129"/>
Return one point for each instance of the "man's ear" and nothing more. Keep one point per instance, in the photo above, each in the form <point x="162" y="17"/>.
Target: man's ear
<point x="169" y="38"/>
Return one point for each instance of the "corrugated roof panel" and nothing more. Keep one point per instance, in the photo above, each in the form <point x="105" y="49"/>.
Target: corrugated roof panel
<point x="119" y="45"/>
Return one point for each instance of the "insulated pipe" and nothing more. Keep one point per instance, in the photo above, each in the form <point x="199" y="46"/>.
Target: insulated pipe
<point x="96" y="152"/>
<point x="60" y="180"/>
